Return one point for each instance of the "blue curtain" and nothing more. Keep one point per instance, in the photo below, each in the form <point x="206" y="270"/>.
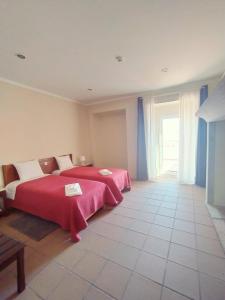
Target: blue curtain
<point x="142" y="171"/>
<point x="202" y="143"/>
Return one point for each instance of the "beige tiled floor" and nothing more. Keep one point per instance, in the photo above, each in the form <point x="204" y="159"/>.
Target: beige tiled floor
<point x="159" y="243"/>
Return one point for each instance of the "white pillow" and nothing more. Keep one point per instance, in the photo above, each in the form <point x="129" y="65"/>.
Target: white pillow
<point x="64" y="162"/>
<point x="29" y="170"/>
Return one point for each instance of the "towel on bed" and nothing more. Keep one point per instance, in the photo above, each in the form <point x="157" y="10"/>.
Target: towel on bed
<point x="105" y="172"/>
<point x="73" y="189"/>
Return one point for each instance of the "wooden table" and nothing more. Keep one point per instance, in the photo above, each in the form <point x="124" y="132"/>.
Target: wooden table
<point x="11" y="250"/>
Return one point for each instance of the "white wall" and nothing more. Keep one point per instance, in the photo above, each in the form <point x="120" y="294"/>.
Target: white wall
<point x="110" y="143"/>
<point x="35" y="125"/>
<point x="129" y="104"/>
<point x="216" y="164"/>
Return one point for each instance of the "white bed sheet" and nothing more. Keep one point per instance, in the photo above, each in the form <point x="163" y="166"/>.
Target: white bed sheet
<point x="11" y="189"/>
<point x="12" y="186"/>
<point x="56" y="172"/>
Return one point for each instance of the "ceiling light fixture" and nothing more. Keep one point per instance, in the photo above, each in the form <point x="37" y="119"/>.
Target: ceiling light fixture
<point x="90" y="90"/>
<point x="21" y="56"/>
<point x="164" y="70"/>
<point x="119" y="58"/>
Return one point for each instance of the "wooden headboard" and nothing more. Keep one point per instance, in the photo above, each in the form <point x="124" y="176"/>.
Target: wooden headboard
<point x="9" y="174"/>
<point x="48" y="165"/>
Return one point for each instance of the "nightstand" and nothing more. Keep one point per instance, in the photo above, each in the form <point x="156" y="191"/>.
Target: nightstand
<point x="3" y="210"/>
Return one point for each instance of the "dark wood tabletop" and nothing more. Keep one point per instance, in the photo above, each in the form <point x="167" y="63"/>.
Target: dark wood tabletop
<point x="11" y="250"/>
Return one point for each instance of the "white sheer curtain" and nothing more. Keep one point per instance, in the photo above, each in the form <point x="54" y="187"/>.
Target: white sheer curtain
<point x="189" y="103"/>
<point x="152" y="141"/>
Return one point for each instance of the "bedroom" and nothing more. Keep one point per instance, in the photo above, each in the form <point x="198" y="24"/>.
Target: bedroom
<point x="95" y="81"/>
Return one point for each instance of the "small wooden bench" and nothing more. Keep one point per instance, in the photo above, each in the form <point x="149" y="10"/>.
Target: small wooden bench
<point x="11" y="250"/>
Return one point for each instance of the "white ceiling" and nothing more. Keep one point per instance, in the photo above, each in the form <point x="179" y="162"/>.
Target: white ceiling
<point x="71" y="45"/>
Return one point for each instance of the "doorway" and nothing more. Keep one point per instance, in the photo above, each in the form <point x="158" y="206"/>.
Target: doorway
<point x="166" y="135"/>
<point x="170" y="146"/>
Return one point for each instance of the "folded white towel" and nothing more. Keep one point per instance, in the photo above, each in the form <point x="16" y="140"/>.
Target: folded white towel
<point x="73" y="189"/>
<point x="105" y="172"/>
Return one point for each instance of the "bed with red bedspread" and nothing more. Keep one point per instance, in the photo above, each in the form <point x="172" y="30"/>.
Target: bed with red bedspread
<point x="118" y="181"/>
<point x="45" y="197"/>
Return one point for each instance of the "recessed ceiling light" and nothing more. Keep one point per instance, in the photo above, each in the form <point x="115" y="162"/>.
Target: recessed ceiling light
<point x="164" y="70"/>
<point x="90" y="90"/>
<point x="21" y="56"/>
<point x="119" y="58"/>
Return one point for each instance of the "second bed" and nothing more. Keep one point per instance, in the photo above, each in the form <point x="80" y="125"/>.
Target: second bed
<point x="118" y="181"/>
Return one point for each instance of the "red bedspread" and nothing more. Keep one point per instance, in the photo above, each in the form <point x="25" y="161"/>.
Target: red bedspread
<point x="45" y="197"/>
<point x="117" y="181"/>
